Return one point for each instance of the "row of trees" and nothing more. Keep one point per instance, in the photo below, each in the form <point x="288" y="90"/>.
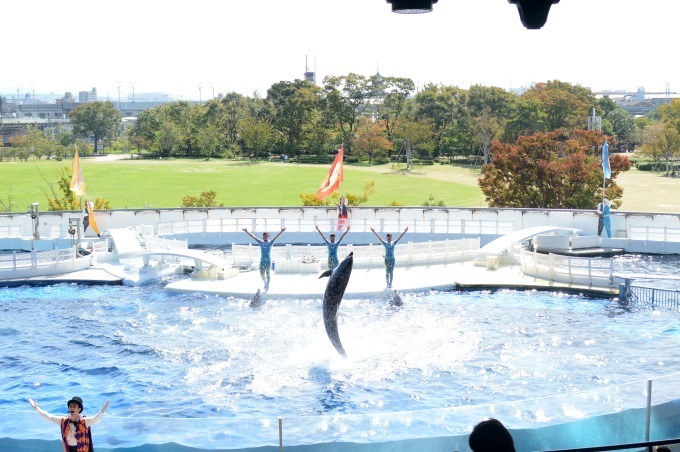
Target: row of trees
<point x="372" y="117"/>
<point x="660" y="135"/>
<point x="93" y="122"/>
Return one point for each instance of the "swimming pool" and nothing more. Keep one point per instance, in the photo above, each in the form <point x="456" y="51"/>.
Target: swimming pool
<point x="211" y="373"/>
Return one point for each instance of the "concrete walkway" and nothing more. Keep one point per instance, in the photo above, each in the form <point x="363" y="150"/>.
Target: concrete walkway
<point x="364" y="282"/>
<point x="371" y="282"/>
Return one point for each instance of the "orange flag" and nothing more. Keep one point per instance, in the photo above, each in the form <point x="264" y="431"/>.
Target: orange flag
<point x="333" y="178"/>
<point x="90" y="216"/>
<point x="77" y="181"/>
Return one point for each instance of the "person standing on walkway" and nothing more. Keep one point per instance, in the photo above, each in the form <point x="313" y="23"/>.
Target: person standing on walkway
<point x="604" y="209"/>
<point x="343" y="215"/>
<point x="389" y="255"/>
<point x="332" y="247"/>
<point x="75" y="428"/>
<point x="265" y="255"/>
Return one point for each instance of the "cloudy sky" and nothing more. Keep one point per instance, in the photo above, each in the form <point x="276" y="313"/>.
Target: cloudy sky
<point x="192" y="48"/>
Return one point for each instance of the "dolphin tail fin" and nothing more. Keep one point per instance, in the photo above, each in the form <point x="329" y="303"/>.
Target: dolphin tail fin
<point x="257" y="300"/>
<point x="325" y="274"/>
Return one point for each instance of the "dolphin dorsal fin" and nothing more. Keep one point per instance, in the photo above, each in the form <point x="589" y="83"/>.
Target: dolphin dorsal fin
<point x="325" y="274"/>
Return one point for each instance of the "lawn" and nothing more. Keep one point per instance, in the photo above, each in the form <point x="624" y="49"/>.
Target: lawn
<point x="163" y="184"/>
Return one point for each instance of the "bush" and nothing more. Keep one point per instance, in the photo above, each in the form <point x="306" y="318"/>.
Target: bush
<point x="647" y="165"/>
<point x="207" y="199"/>
<point x="309" y="199"/>
<point x="102" y="204"/>
<point x="430" y="202"/>
<point x="424" y="162"/>
<point x="381" y="161"/>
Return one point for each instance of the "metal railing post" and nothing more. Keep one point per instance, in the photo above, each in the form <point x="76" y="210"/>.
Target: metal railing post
<point x="649" y="411"/>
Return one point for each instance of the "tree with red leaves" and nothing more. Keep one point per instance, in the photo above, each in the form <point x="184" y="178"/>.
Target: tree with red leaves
<point x="552" y="170"/>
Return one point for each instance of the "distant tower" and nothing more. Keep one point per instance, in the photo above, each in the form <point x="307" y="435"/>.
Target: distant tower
<point x="310" y="76"/>
<point x="378" y="81"/>
<point x="668" y="93"/>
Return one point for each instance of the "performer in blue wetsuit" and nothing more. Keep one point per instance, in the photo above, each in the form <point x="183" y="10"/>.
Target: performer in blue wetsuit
<point x="332" y="247"/>
<point x="265" y="254"/>
<point x="389" y="255"/>
<point x="604" y="209"/>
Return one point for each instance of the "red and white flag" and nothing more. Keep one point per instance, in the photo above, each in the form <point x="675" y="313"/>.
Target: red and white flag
<point x="333" y="178"/>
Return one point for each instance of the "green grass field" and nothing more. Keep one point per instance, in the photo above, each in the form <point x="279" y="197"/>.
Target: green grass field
<point x="163" y="183"/>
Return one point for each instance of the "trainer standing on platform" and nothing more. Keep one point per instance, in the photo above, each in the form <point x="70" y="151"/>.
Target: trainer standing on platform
<point x="332" y="247"/>
<point x="389" y="255"/>
<point x="265" y="255"/>
<point x="604" y="209"/>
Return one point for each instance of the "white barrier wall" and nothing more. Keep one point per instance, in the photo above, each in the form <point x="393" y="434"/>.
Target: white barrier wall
<point x="447" y="221"/>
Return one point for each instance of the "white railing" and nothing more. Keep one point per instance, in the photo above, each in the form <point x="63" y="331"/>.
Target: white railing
<point x="585" y="271"/>
<point x="154" y="242"/>
<point x="406" y="254"/>
<point x="33" y="259"/>
<point x="652" y="233"/>
<point x="360" y="225"/>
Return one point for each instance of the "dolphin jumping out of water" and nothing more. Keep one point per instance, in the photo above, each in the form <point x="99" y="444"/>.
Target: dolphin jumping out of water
<point x="335" y="289"/>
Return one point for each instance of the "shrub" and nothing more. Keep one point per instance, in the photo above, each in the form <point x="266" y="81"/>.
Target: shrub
<point x="646" y="165"/>
<point x="430" y="202"/>
<point x="309" y="199"/>
<point x="207" y="199"/>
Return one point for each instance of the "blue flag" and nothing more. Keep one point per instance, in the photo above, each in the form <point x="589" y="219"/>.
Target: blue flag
<point x="606" y="168"/>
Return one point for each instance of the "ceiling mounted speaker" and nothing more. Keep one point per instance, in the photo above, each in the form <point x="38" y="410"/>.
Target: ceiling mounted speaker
<point x="533" y="13"/>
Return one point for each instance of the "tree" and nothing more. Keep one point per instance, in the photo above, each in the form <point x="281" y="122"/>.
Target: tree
<point x="552" y="170"/>
<point x="225" y="114"/>
<point x="316" y="134"/>
<point x="372" y="139"/>
<point x="623" y="126"/>
<point x="394" y="93"/>
<point x="671" y="113"/>
<point x="564" y="105"/>
<point x="526" y="120"/>
<point x="407" y="134"/>
<point x="490" y="100"/>
<point x="167" y="138"/>
<point x="292" y="105"/>
<point x="661" y="141"/>
<point x="257" y="135"/>
<point x="444" y="107"/>
<point x="208" y="141"/>
<point x="33" y="142"/>
<point x="99" y="120"/>
<point x="346" y="99"/>
<point x="485" y="129"/>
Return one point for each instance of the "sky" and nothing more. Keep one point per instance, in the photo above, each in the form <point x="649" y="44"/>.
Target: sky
<point x="194" y="49"/>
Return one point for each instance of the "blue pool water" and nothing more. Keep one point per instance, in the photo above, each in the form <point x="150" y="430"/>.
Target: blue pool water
<point x="175" y="365"/>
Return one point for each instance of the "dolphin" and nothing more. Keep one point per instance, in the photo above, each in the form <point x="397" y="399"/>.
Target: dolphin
<point x="396" y="300"/>
<point x="335" y="289"/>
<point x="258" y="300"/>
